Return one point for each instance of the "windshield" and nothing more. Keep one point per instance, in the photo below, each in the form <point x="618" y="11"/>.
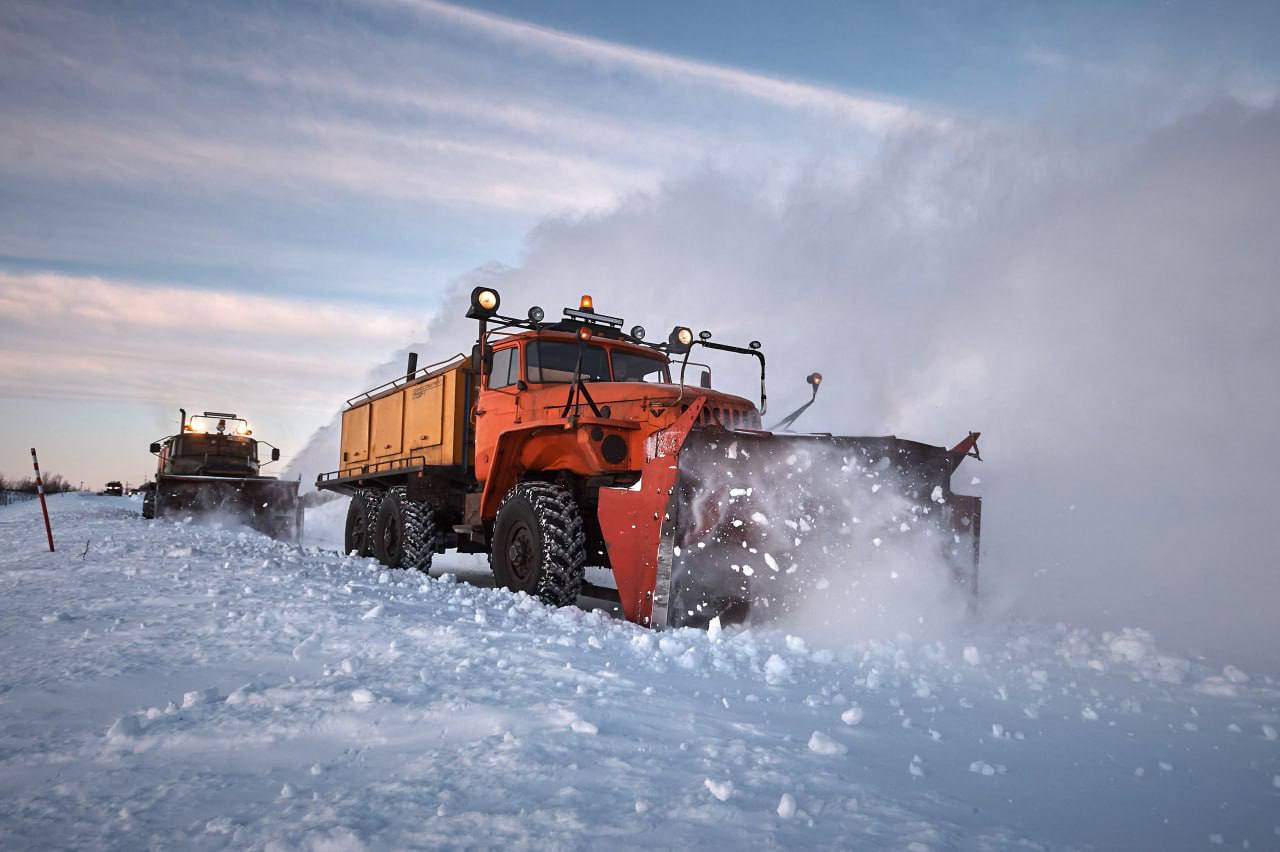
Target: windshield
<point x="554" y="362"/>
<point x="630" y="367"/>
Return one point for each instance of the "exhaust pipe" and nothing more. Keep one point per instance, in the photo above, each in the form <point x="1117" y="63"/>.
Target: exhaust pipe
<point x="182" y="420"/>
<point x="412" y="367"/>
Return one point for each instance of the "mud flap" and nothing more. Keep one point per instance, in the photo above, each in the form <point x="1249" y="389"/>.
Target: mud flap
<point x="270" y="506"/>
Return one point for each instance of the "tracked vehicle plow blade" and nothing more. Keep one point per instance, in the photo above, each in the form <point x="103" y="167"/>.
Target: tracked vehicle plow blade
<point x="748" y="525"/>
<point x="270" y="506"/>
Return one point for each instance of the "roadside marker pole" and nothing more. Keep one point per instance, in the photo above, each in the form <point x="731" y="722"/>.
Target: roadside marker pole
<point x="35" y="463"/>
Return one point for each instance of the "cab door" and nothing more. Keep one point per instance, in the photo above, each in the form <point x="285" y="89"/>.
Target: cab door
<point x="498" y="406"/>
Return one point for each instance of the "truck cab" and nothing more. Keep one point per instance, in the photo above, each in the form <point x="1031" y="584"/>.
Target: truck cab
<point x="210" y="444"/>
<point x="619" y="391"/>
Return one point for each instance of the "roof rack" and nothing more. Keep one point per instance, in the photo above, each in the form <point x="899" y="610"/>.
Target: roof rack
<point x="420" y="373"/>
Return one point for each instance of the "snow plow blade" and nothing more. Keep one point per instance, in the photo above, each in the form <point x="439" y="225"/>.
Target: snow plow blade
<point x="747" y="525"/>
<point x="270" y="506"/>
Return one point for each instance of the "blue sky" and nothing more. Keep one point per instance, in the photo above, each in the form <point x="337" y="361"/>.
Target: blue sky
<point x="246" y="205"/>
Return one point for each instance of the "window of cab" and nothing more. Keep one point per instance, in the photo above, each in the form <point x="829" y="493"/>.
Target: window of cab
<point x="633" y="367"/>
<point x="506" y="367"/>
<point x="553" y="362"/>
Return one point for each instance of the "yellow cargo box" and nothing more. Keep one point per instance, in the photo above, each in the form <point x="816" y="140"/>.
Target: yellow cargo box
<point x="408" y="423"/>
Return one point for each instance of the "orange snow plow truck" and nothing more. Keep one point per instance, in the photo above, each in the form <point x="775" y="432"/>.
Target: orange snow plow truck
<point x="558" y="445"/>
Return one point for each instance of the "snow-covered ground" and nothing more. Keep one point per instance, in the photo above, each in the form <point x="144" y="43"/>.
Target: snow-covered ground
<point x="175" y="685"/>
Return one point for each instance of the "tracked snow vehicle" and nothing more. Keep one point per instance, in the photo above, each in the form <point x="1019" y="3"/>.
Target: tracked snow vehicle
<point x="562" y="444"/>
<point x="213" y="467"/>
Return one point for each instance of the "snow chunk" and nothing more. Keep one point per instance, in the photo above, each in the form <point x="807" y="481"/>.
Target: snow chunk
<point x="936" y="495"/>
<point x="722" y="790"/>
<point x="373" y="613"/>
<point x="776" y="670"/>
<point x="582" y="726"/>
<point x="1269" y="732"/>
<point x="1218" y="687"/>
<point x="1131" y="646"/>
<point x="362" y="696"/>
<point x="972" y="656"/>
<point x="820" y="743"/>
<point x="199" y="696"/>
<point x="1234" y="674"/>
<point x="787" y="806"/>
<point x="852" y="716"/>
<point x="981" y="767"/>
<point x="796" y="644"/>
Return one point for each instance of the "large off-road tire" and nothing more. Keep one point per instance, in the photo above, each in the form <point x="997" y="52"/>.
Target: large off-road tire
<point x="404" y="533"/>
<point x="539" y="546"/>
<point x="420" y="534"/>
<point x="361" y="514"/>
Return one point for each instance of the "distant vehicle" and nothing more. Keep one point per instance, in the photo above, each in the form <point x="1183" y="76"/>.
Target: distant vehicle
<point x="562" y="444"/>
<point x="114" y="489"/>
<point x="213" y="466"/>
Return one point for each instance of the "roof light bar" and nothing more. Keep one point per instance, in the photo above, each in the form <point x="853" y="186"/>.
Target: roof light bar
<point x="586" y="316"/>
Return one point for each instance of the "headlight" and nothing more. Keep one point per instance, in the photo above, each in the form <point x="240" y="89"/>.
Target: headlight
<point x="684" y="336"/>
<point x="536" y="314"/>
<point x="484" y="302"/>
<point x="637" y="332"/>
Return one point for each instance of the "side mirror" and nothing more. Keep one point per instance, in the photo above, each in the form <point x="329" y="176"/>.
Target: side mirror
<point x="705" y="380"/>
<point x="275" y="454"/>
<point x="155" y="449"/>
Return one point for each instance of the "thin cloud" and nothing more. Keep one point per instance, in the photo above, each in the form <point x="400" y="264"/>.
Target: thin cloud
<point x="868" y="112"/>
<point x="78" y="337"/>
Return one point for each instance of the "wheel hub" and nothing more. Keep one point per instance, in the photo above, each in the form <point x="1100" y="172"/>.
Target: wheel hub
<point x="521" y="553"/>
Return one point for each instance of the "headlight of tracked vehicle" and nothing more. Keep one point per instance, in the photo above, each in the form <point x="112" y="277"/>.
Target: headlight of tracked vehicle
<point x="537" y="314"/>
<point x="681" y="339"/>
<point x="637" y="332"/>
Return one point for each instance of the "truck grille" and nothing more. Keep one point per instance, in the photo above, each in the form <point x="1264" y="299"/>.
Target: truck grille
<point x="729" y="418"/>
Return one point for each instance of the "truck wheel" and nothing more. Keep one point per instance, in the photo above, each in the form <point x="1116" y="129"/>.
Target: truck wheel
<point x="149" y="506"/>
<point x="539" y="546"/>
<point x="360" y="516"/>
<point x="390" y="530"/>
<point x="419" y="534"/>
